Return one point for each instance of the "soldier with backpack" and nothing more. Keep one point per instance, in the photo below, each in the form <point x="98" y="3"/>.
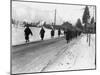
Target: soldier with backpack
<point x="52" y="33"/>
<point x="27" y="32"/>
<point x="59" y="32"/>
<point x="42" y="32"/>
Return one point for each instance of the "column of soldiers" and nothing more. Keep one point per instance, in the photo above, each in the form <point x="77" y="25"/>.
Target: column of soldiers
<point x="71" y="34"/>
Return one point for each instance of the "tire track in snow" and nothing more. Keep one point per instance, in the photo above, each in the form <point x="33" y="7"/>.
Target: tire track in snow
<point x="63" y="49"/>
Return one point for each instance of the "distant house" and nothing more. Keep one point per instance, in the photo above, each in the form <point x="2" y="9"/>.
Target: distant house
<point x="91" y="27"/>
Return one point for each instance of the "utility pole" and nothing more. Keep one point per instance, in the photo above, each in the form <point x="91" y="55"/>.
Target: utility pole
<point x="55" y="18"/>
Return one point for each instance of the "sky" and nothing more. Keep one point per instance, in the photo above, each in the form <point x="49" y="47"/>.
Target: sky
<point x="34" y="12"/>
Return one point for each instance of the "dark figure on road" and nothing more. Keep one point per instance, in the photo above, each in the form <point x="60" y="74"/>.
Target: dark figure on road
<point x="42" y="32"/>
<point x="59" y="32"/>
<point x="52" y="33"/>
<point x="27" y="32"/>
<point x="64" y="32"/>
<point x="68" y="36"/>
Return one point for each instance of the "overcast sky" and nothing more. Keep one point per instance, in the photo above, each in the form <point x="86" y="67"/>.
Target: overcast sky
<point x="32" y="12"/>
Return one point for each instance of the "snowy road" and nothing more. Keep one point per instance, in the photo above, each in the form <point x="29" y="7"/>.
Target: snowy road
<point x="80" y="56"/>
<point x="35" y="57"/>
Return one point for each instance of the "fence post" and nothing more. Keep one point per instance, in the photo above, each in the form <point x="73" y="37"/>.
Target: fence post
<point x="89" y="39"/>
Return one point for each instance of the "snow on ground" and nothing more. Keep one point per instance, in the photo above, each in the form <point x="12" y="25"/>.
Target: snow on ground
<point x="36" y="59"/>
<point x="18" y="34"/>
<point x="57" y="56"/>
<point x="80" y="56"/>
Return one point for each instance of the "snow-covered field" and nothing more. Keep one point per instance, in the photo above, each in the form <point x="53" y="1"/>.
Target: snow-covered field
<point x="18" y="35"/>
<point x="80" y="56"/>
